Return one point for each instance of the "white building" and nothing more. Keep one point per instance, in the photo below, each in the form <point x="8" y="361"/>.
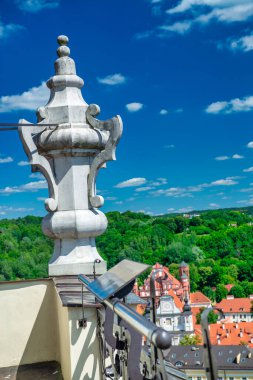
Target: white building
<point x="175" y="317"/>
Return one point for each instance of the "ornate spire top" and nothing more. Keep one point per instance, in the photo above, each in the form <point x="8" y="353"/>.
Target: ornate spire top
<point x="64" y="65"/>
<point x="63" y="50"/>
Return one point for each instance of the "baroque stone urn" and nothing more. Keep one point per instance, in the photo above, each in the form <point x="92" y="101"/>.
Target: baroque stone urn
<point x="68" y="146"/>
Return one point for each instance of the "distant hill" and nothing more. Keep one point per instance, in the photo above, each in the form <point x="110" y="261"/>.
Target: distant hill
<point x="217" y="244"/>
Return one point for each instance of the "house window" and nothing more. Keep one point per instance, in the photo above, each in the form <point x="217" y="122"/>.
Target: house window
<point x="220" y="378"/>
<point x="244" y="378"/>
<point x="199" y="378"/>
<point x="231" y="378"/>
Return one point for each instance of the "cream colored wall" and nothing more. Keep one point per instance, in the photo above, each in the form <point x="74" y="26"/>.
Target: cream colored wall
<point x="64" y="339"/>
<point x="28" y="326"/>
<point x="85" y="357"/>
<point x="35" y="327"/>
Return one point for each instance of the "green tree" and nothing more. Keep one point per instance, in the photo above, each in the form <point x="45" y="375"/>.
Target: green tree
<point x="209" y="292"/>
<point x="221" y="292"/>
<point x="190" y="340"/>
<point x="212" y="316"/>
<point x="237" y="291"/>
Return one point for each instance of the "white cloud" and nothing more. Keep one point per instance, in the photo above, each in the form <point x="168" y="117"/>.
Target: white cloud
<point x="250" y="144"/>
<point x="6" y="160"/>
<point x="234" y="105"/>
<point x="184" y="209"/>
<point x="180" y="27"/>
<point x="163" y="112"/>
<point x="7" y="29"/>
<point x="23" y="163"/>
<point x="134" y="107"/>
<point x="174" y="192"/>
<point x="181" y="192"/>
<point x="224" y="182"/>
<point x="216" y="107"/>
<point x="248" y="170"/>
<point x="244" y="43"/>
<point x="113" y="79"/>
<point x="159" y="182"/>
<point x="143" y="35"/>
<point x="131" y="183"/>
<point x="5" y="209"/>
<point x="237" y="156"/>
<point x="34" y="6"/>
<point x="144" y="188"/>
<point x="111" y="198"/>
<point x="30" y="186"/>
<point x="171" y="146"/>
<point x="119" y="202"/>
<point x="28" y="100"/>
<point x="214" y="205"/>
<point x="202" y="12"/>
<point x="221" y="158"/>
<point x="41" y="199"/>
<point x="36" y="175"/>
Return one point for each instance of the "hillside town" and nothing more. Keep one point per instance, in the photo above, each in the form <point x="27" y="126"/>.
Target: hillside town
<point x="178" y="310"/>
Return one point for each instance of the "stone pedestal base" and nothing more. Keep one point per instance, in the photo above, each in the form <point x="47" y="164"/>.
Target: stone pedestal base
<point x="76" y="269"/>
<point x="74" y="257"/>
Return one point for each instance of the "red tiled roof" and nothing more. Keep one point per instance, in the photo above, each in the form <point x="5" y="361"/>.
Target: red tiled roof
<point x="229" y="333"/>
<point x="199" y="297"/>
<point x="235" y="305"/>
<point x="229" y="287"/>
<point x="177" y="301"/>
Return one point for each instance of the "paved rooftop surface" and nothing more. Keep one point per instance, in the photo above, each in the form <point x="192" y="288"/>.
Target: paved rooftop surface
<point x="42" y="371"/>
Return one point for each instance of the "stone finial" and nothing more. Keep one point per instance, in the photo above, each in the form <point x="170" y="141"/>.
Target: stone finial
<point x="70" y="156"/>
<point x="63" y="50"/>
<point x="64" y="65"/>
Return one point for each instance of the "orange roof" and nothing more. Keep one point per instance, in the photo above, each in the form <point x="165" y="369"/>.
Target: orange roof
<point x="229" y="333"/>
<point x="199" y="298"/>
<point x="229" y="287"/>
<point x="235" y="305"/>
<point x="177" y="301"/>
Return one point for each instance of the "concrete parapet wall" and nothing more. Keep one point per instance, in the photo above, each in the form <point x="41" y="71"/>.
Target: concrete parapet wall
<point x="35" y="328"/>
<point x="28" y="323"/>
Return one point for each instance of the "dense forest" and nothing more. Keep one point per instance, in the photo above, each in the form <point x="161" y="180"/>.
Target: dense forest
<point x="218" y="246"/>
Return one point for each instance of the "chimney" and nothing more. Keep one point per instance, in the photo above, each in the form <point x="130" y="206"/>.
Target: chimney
<point x="218" y="340"/>
<point x="251" y="296"/>
<point x="69" y="154"/>
<point x="241" y="333"/>
<point x="238" y="358"/>
<point x="230" y="297"/>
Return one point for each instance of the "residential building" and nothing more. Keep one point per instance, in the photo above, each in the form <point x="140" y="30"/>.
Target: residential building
<point x="174" y="316"/>
<point x="236" y="309"/>
<point x="233" y="362"/>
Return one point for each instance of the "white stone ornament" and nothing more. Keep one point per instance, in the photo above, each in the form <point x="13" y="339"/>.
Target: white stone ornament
<point x="69" y="155"/>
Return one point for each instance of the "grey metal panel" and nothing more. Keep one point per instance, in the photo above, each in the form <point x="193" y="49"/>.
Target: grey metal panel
<point x="115" y="279"/>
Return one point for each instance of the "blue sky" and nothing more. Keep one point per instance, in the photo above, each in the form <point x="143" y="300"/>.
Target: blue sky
<point x="178" y="72"/>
